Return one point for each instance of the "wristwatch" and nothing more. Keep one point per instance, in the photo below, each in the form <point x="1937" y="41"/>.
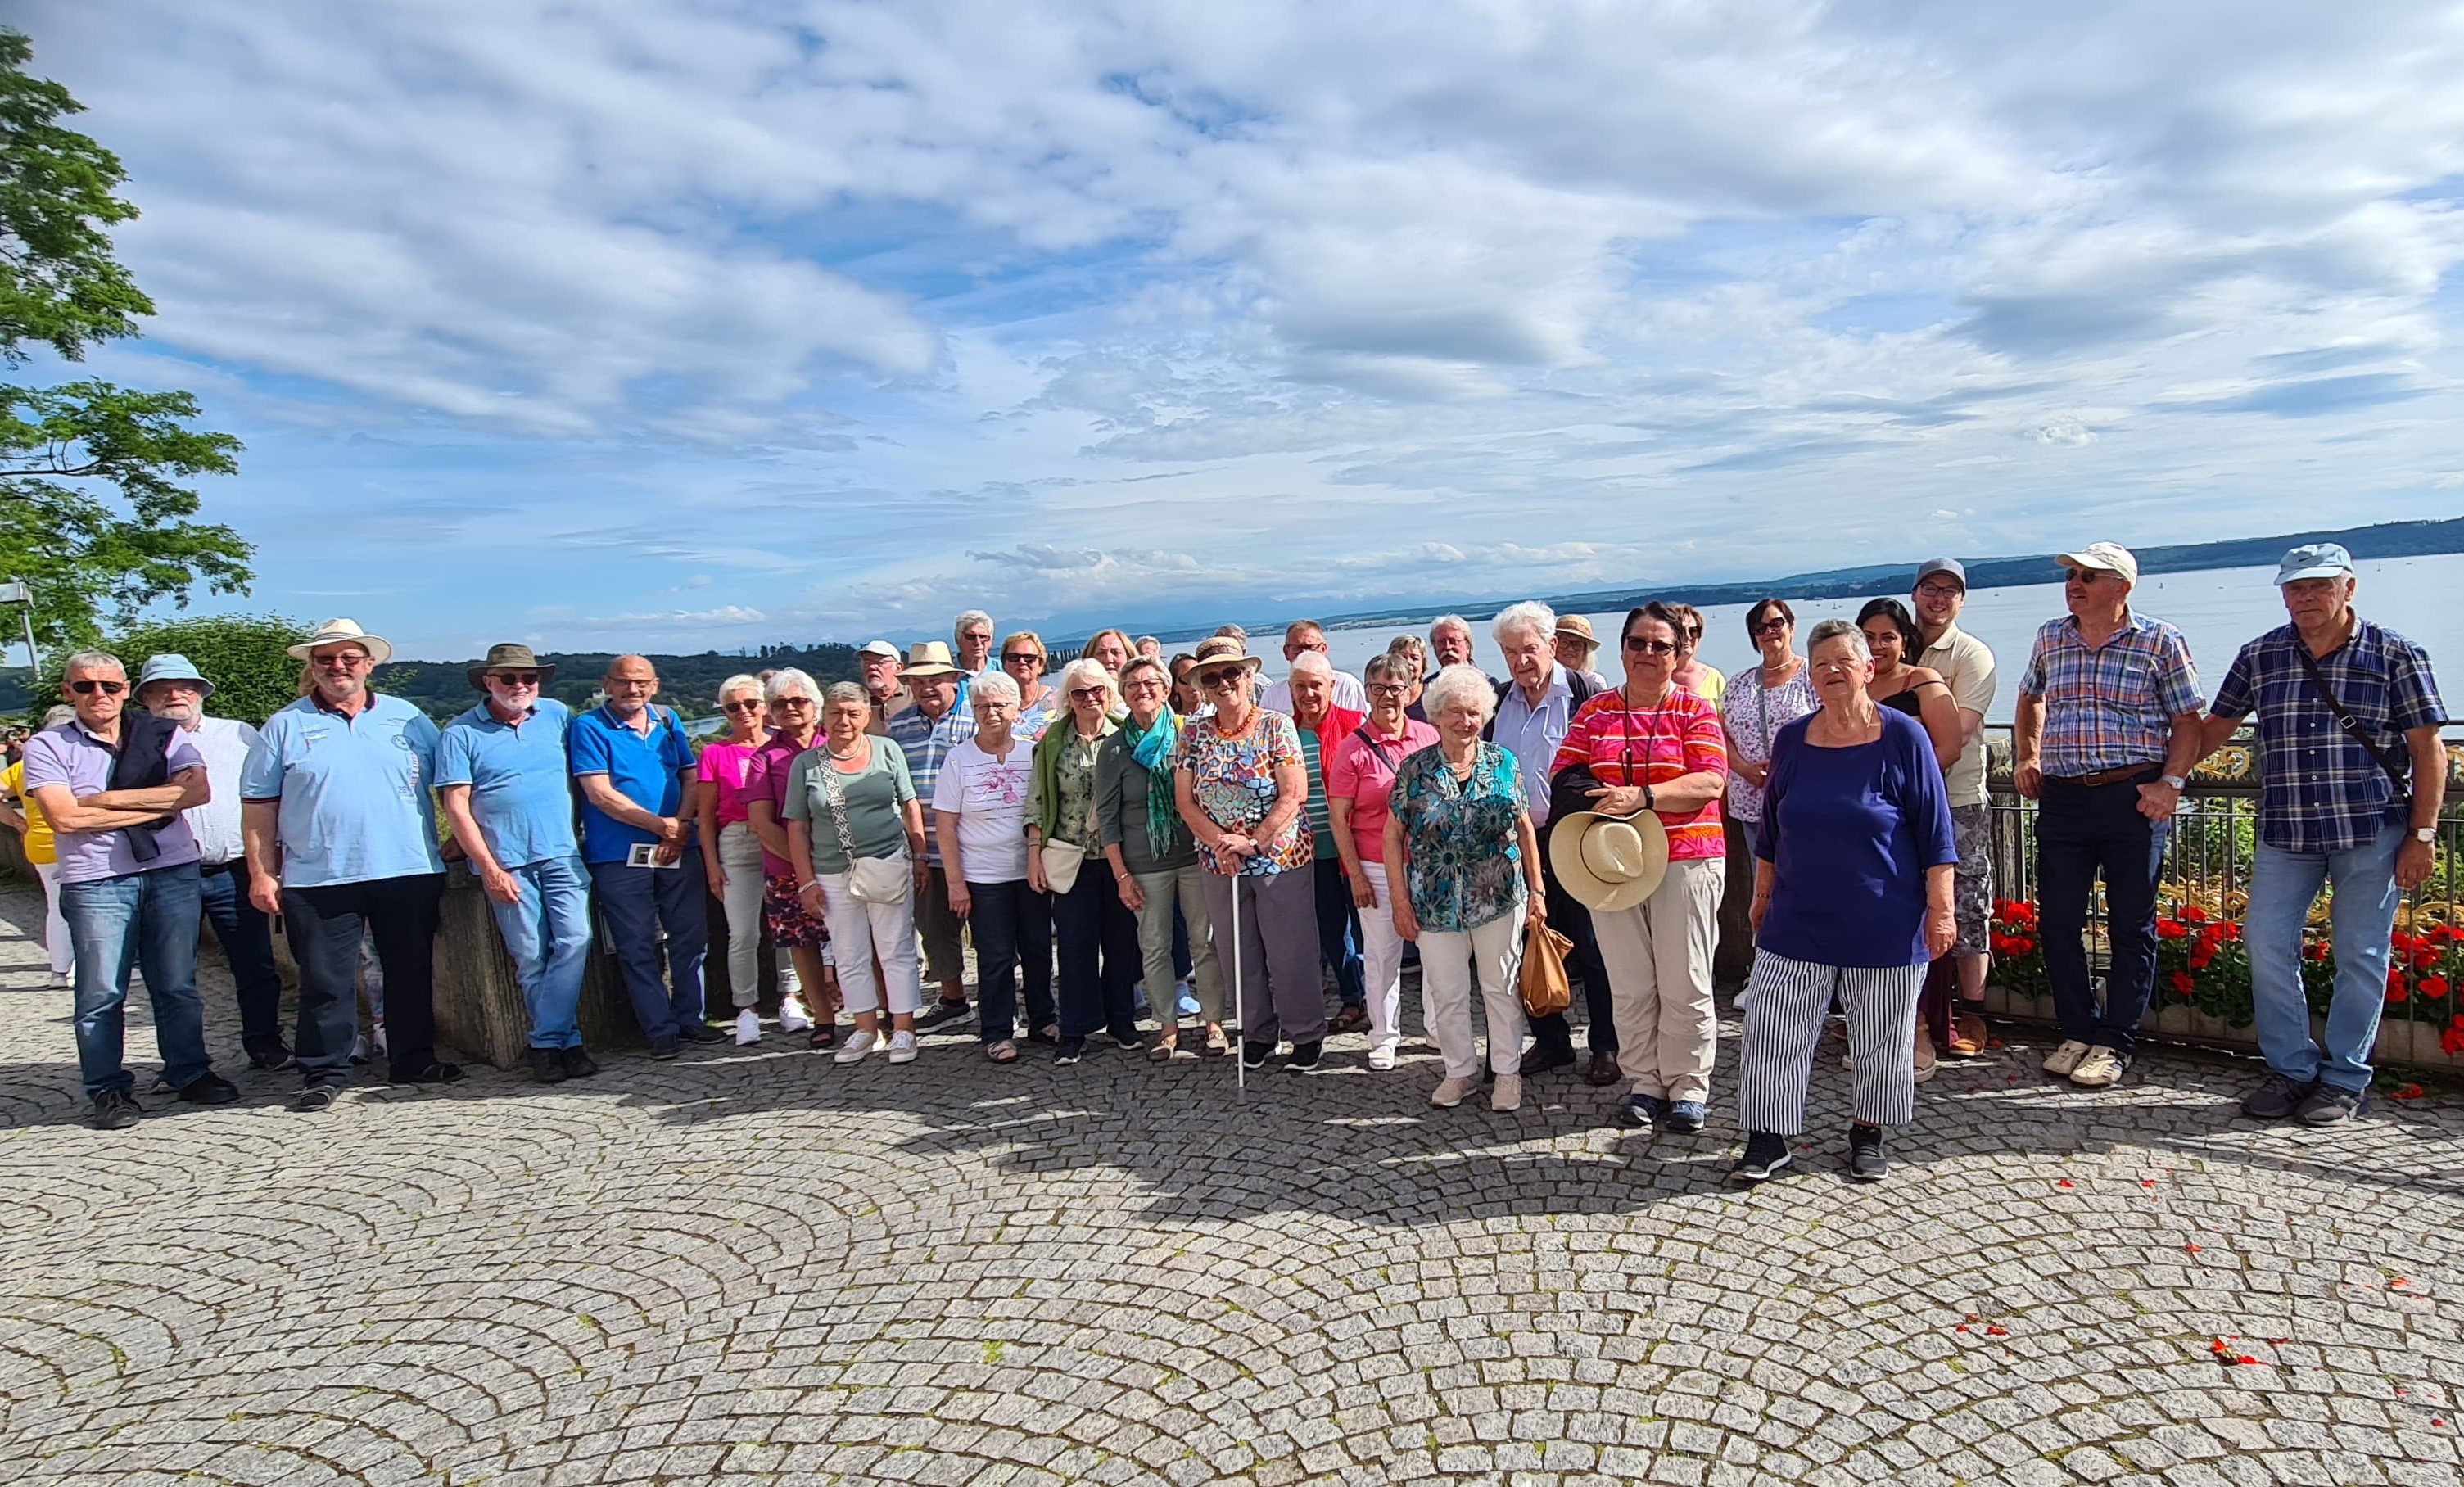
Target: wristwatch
<point x="1647" y="798"/>
<point x="2425" y="834"/>
<point x="2177" y="781"/>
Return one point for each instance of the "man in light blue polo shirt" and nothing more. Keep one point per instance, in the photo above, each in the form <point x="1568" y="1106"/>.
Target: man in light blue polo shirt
<point x="501" y="773"/>
<point x="335" y="811"/>
<point x="637" y="791"/>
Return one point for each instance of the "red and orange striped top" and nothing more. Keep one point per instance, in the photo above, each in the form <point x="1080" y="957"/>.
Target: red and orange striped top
<point x="1651" y="746"/>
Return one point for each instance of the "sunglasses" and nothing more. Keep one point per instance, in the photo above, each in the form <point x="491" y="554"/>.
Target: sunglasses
<point x="346" y="662"/>
<point x="1693" y="632"/>
<point x="1214" y="680"/>
<point x="742" y="705"/>
<point x="798" y="703"/>
<point x="517" y="678"/>
<point x="1650" y="648"/>
<point x="88" y="688"/>
<point x="1771" y="627"/>
<point x="1088" y="693"/>
<point x="1021" y="658"/>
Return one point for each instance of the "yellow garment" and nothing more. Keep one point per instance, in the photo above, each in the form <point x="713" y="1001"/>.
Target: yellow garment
<point x="38" y="831"/>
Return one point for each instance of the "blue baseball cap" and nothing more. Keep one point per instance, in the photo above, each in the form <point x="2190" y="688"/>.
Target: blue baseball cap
<point x="2314" y="560"/>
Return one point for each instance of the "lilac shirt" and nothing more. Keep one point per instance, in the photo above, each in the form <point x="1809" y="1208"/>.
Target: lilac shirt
<point x="70" y="756"/>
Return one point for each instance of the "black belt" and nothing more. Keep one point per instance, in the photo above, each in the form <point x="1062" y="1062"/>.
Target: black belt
<point x="2130" y="774"/>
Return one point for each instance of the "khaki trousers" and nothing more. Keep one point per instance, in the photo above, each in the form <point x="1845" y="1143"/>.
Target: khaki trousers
<point x="1659" y="959"/>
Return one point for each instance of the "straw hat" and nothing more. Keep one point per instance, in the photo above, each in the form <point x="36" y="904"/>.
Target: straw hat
<point x="1609" y="863"/>
<point x="335" y="632"/>
<point x="1223" y="649"/>
<point x="927" y="658"/>
<point x="1574" y="628"/>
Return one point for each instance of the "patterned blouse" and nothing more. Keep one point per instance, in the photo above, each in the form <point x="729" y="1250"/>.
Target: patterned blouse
<point x="1233" y="782"/>
<point x="1755" y="715"/>
<point x="1073" y="777"/>
<point x="1466" y="854"/>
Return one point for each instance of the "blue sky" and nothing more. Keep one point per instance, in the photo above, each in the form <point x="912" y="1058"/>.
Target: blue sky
<point x="685" y="323"/>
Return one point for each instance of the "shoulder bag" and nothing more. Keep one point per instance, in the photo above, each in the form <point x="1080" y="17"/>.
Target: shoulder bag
<point x="1544" y="989"/>
<point x="870" y="879"/>
<point x="2401" y="775"/>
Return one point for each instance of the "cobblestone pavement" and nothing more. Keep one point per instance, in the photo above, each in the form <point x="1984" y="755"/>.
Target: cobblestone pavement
<point x="754" y="1266"/>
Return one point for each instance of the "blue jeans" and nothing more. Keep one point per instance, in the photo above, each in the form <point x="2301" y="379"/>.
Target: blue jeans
<point x="2081" y="831"/>
<point x="638" y="903"/>
<point x="2363" y="912"/>
<point x="1338" y="943"/>
<point x="1013" y="929"/>
<point x="548" y="933"/>
<point x="246" y="938"/>
<point x="148" y="920"/>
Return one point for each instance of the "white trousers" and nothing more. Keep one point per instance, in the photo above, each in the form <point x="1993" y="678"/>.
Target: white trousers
<point x="1659" y="959"/>
<point x="1450" y="960"/>
<point x="860" y="931"/>
<point x="55" y="930"/>
<point x="1381" y="962"/>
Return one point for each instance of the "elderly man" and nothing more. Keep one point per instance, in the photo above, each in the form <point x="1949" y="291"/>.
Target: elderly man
<point x="170" y="688"/>
<point x="926" y="733"/>
<point x="1966" y="666"/>
<point x="1324" y="723"/>
<point x="2103" y="738"/>
<point x="341" y="843"/>
<point x="501" y="773"/>
<point x="1449" y="645"/>
<point x="2352" y="774"/>
<point x="636" y="772"/>
<point x="1534" y="706"/>
<point x="878" y="661"/>
<point x="111" y="783"/>
<point x="1308" y="638"/>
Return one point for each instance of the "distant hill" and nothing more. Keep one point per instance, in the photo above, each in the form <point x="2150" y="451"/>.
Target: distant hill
<point x="688" y="684"/>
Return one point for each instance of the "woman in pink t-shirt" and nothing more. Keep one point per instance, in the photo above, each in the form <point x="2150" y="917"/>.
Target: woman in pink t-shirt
<point x="730" y="853"/>
<point x="1359" y="771"/>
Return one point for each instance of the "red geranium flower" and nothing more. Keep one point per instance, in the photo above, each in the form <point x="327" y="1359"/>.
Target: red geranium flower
<point x="2183" y="984"/>
<point x="2432" y="987"/>
<point x="2194" y="913"/>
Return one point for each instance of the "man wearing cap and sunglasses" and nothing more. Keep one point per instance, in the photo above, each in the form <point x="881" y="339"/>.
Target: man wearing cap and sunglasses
<point x="2352" y="774"/>
<point x="2107" y="731"/>
<point x="501" y="774"/>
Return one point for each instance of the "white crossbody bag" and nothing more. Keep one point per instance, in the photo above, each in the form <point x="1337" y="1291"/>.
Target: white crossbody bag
<point x="870" y="879"/>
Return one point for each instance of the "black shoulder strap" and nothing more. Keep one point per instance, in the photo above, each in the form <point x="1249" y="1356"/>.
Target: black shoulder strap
<point x="2402" y="777"/>
<point x="1580" y="685"/>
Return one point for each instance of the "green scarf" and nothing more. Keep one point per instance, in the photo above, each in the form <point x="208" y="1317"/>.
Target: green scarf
<point x="1154" y="747"/>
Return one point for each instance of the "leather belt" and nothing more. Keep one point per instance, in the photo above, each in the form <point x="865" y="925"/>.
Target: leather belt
<point x="2133" y="774"/>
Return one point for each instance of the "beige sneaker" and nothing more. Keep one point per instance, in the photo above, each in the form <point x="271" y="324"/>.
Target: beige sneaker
<point x="1507" y="1093"/>
<point x="2062" y="1061"/>
<point x="2099" y="1069"/>
<point x="1451" y="1092"/>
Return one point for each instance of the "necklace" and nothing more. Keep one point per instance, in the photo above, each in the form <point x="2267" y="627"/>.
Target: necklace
<point x="854" y="753"/>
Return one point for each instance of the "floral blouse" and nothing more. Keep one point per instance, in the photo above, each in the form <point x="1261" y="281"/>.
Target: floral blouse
<point x="1755" y="715"/>
<point x="1073" y="777"/>
<point x="1467" y="853"/>
<point x="1233" y="782"/>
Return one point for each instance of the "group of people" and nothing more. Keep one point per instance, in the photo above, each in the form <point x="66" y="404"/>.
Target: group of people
<point x="1171" y="829"/>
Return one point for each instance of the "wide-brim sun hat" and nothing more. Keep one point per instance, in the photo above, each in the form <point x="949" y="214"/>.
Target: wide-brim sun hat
<point x="510" y="657"/>
<point x="337" y="631"/>
<point x="927" y="658"/>
<point x="1224" y="650"/>
<point x="1609" y="863"/>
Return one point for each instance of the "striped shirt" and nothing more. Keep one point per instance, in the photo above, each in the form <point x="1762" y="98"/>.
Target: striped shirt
<point x="2320" y="791"/>
<point x="927" y="745"/>
<point x="2110" y="707"/>
<point x="1651" y="746"/>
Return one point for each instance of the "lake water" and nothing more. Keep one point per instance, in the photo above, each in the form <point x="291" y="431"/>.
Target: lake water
<point x="2422" y="598"/>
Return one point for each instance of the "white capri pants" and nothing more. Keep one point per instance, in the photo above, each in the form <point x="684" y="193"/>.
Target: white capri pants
<point x="1449" y="961"/>
<point x="1381" y="962"/>
<point x="55" y="930"/>
<point x="1784" y="1021"/>
<point x="860" y="931"/>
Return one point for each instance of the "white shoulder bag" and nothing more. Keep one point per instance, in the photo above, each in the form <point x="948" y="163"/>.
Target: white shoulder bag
<point x="870" y="879"/>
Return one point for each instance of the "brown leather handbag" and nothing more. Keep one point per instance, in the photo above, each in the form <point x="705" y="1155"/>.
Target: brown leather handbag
<point x="1545" y="992"/>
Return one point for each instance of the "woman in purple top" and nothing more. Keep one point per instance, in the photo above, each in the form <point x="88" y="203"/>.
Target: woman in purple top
<point x="1851" y="899"/>
<point x="794" y="704"/>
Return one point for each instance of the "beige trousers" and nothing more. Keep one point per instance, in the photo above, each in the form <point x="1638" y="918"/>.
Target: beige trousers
<point x="1659" y="959"/>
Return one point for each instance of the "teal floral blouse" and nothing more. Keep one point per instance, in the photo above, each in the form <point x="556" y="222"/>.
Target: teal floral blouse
<point x="1467" y="853"/>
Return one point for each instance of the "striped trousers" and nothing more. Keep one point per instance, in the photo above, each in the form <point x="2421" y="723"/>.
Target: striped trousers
<point x="1784" y="1013"/>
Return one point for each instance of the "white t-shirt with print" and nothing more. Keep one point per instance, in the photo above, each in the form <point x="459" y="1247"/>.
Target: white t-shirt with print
<point x="989" y="798"/>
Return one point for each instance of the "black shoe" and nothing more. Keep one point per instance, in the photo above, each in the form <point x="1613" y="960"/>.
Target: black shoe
<point x="1545" y="1057"/>
<point x="1131" y="1041"/>
<point x="664" y="1051"/>
<point x="2278" y="1098"/>
<point x="702" y="1032"/>
<point x="579" y="1065"/>
<point x="1254" y="1056"/>
<point x="548" y="1065"/>
<point x="208" y="1088"/>
<point x="1305" y="1057"/>
<point x="316" y="1097"/>
<point x="439" y="1073"/>
<point x="1765" y="1155"/>
<point x="272" y="1061"/>
<point x="115" y="1109"/>
<point x="1604" y="1068"/>
<point x="943" y="1010"/>
<point x="1866" y="1160"/>
<point x="2327" y="1105"/>
<point x="1070" y="1051"/>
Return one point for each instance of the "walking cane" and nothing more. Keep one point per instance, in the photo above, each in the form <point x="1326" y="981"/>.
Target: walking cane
<point x="1239" y="1059"/>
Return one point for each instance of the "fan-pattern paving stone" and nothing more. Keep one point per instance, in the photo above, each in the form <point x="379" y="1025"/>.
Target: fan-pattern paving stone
<point x="754" y="1266"/>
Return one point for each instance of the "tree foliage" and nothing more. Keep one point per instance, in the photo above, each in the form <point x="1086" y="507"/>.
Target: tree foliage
<point x="94" y="510"/>
<point x="245" y="656"/>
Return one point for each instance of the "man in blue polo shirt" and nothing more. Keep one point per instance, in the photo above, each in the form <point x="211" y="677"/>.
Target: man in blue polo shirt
<point x="501" y="773"/>
<point x="336" y="816"/>
<point x="637" y="791"/>
<point x="2351" y="774"/>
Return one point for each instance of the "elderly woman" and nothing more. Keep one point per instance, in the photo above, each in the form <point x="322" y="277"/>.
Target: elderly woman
<point x="793" y="705"/>
<point x="1322" y="724"/>
<point x="1757" y="703"/>
<point x="1415" y="652"/>
<point x="1578" y="649"/>
<point x="1852" y="897"/>
<point x="1153" y="858"/>
<point x="979" y="816"/>
<point x="1097" y="933"/>
<point x="1109" y="649"/>
<point x="1359" y="777"/>
<point x="731" y="854"/>
<point x="1702" y="680"/>
<point x="1652" y="745"/>
<point x="1890" y="634"/>
<point x="855" y="833"/>
<point x="1239" y="785"/>
<point x="1459" y="837"/>
<point x="1022" y="659"/>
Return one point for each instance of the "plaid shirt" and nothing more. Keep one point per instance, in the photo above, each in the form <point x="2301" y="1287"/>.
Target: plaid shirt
<point x="2111" y="707"/>
<point x="2320" y="789"/>
<point x="927" y="745"/>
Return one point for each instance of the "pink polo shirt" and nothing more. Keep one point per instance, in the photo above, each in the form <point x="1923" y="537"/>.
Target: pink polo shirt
<point x="1363" y="773"/>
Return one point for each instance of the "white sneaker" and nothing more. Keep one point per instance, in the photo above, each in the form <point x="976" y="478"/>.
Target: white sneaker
<point x="857" y="1048"/>
<point x="1451" y="1092"/>
<point x="2063" y="1060"/>
<point x="902" y="1048"/>
<point x="748" y="1028"/>
<point x="2099" y="1069"/>
<point x="1381" y="1059"/>
<point x="792" y="1015"/>
<point x="1507" y="1093"/>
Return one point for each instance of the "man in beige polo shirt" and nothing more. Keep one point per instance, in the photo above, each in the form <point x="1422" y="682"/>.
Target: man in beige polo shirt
<point x="1964" y="662"/>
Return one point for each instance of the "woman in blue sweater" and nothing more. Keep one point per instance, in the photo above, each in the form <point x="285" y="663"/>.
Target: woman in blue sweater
<point x="1853" y="898"/>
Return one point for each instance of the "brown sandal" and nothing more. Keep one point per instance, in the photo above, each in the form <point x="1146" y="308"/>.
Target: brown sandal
<point x="1161" y="1050"/>
<point x="1217" y="1044"/>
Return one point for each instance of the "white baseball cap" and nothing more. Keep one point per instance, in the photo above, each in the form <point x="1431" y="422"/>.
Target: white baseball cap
<point x="2103" y="557"/>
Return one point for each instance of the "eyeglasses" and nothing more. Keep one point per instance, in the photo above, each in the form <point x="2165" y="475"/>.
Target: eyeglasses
<point x="1213" y="681"/>
<point x="1771" y="627"/>
<point x="1693" y="632"/>
<point x="1938" y="590"/>
<point x="1387" y="689"/>
<point x="348" y="660"/>
<point x="1021" y="658"/>
<point x="89" y="687"/>
<point x="1650" y="648"/>
<point x="517" y="678"/>
<point x="1089" y="693"/>
<point x="1143" y="684"/>
<point x="741" y="704"/>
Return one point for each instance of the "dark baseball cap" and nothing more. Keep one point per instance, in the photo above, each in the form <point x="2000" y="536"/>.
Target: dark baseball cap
<point x="1949" y="565"/>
